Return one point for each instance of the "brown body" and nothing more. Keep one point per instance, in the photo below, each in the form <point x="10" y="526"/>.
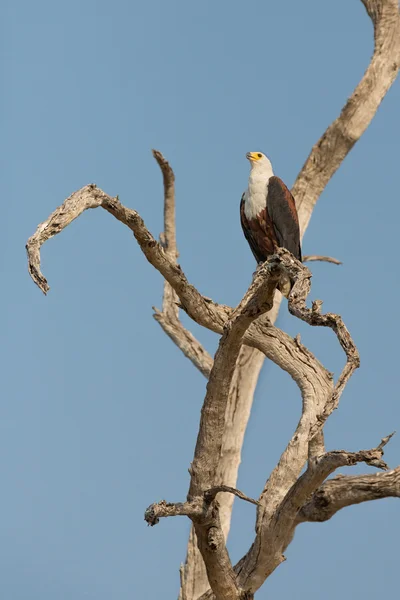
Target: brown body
<point x="275" y="226"/>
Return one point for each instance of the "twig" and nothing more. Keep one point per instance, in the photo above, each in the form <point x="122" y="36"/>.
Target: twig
<point x="316" y="257"/>
<point x="386" y="440"/>
<point x="209" y="495"/>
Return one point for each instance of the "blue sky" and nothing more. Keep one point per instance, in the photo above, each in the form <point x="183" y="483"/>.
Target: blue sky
<point x="99" y="411"/>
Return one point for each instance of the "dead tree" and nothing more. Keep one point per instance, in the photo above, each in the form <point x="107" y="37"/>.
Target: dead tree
<point x="248" y="335"/>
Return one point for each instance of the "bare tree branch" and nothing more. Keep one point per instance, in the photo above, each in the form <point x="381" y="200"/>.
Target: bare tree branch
<point x="307" y="372"/>
<point x="194" y="582"/>
<point x="329" y="152"/>
<point x="274" y="343"/>
<point x="195" y="573"/>
<point x="321" y="467"/>
<point x="316" y="406"/>
<point x="210" y="494"/>
<point x="210" y="538"/>
<point x="342" y="491"/>
<point x="292" y="461"/>
<point x="317" y="257"/>
<point x="168" y="237"/>
<point x="258" y="299"/>
<point x="318" y="470"/>
<point x="334" y="145"/>
<point x="194" y="509"/>
<point x="73" y="206"/>
<point x="260" y="561"/>
<point x="168" y="319"/>
<point x="298" y="308"/>
<point x="163" y="509"/>
<point x="169" y="205"/>
<point x="237" y="413"/>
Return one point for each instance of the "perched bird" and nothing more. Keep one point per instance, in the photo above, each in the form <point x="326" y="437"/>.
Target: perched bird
<point x="268" y="214"/>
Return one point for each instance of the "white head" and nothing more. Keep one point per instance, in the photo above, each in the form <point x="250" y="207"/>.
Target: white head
<point x="260" y="165"/>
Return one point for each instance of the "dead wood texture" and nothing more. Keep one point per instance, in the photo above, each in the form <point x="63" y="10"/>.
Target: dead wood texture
<point x="248" y="335"/>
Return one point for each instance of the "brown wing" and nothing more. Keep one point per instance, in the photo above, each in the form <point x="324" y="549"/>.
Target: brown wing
<point x="282" y="211"/>
<point x="259" y="233"/>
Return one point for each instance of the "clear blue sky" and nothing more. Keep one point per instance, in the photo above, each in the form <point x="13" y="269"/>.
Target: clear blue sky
<point x="99" y="411"/>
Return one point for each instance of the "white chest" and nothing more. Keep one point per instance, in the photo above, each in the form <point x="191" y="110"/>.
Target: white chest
<point x="255" y="199"/>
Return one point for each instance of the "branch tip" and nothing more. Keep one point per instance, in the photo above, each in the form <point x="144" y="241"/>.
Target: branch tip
<point x="386" y="440"/>
<point x="318" y="258"/>
<point x="164" y="165"/>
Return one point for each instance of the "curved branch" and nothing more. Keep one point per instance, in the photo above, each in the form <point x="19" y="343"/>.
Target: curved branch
<point x="274" y="343"/>
<point x="168" y="318"/>
<point x="331" y="149"/>
<point x="261" y="561"/>
<point x="169" y="241"/>
<point x="343" y="491"/>
<point x="168" y="237"/>
<point x="265" y="555"/>
<point x="88" y="197"/>
<point x="317" y="257"/>
<point x="298" y="308"/>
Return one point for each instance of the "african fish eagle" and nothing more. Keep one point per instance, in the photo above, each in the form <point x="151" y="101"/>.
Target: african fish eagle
<point x="268" y="214"/>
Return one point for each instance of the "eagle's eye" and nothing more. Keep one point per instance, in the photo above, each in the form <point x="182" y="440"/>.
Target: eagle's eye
<point x="259" y="155"/>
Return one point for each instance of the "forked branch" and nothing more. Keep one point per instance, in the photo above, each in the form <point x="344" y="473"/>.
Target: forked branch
<point x="257" y="300"/>
<point x="274" y="343"/>
<point x="345" y="490"/>
<point x="168" y="318"/>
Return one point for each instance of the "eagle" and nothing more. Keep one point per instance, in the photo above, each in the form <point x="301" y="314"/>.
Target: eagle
<point x="268" y="214"/>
